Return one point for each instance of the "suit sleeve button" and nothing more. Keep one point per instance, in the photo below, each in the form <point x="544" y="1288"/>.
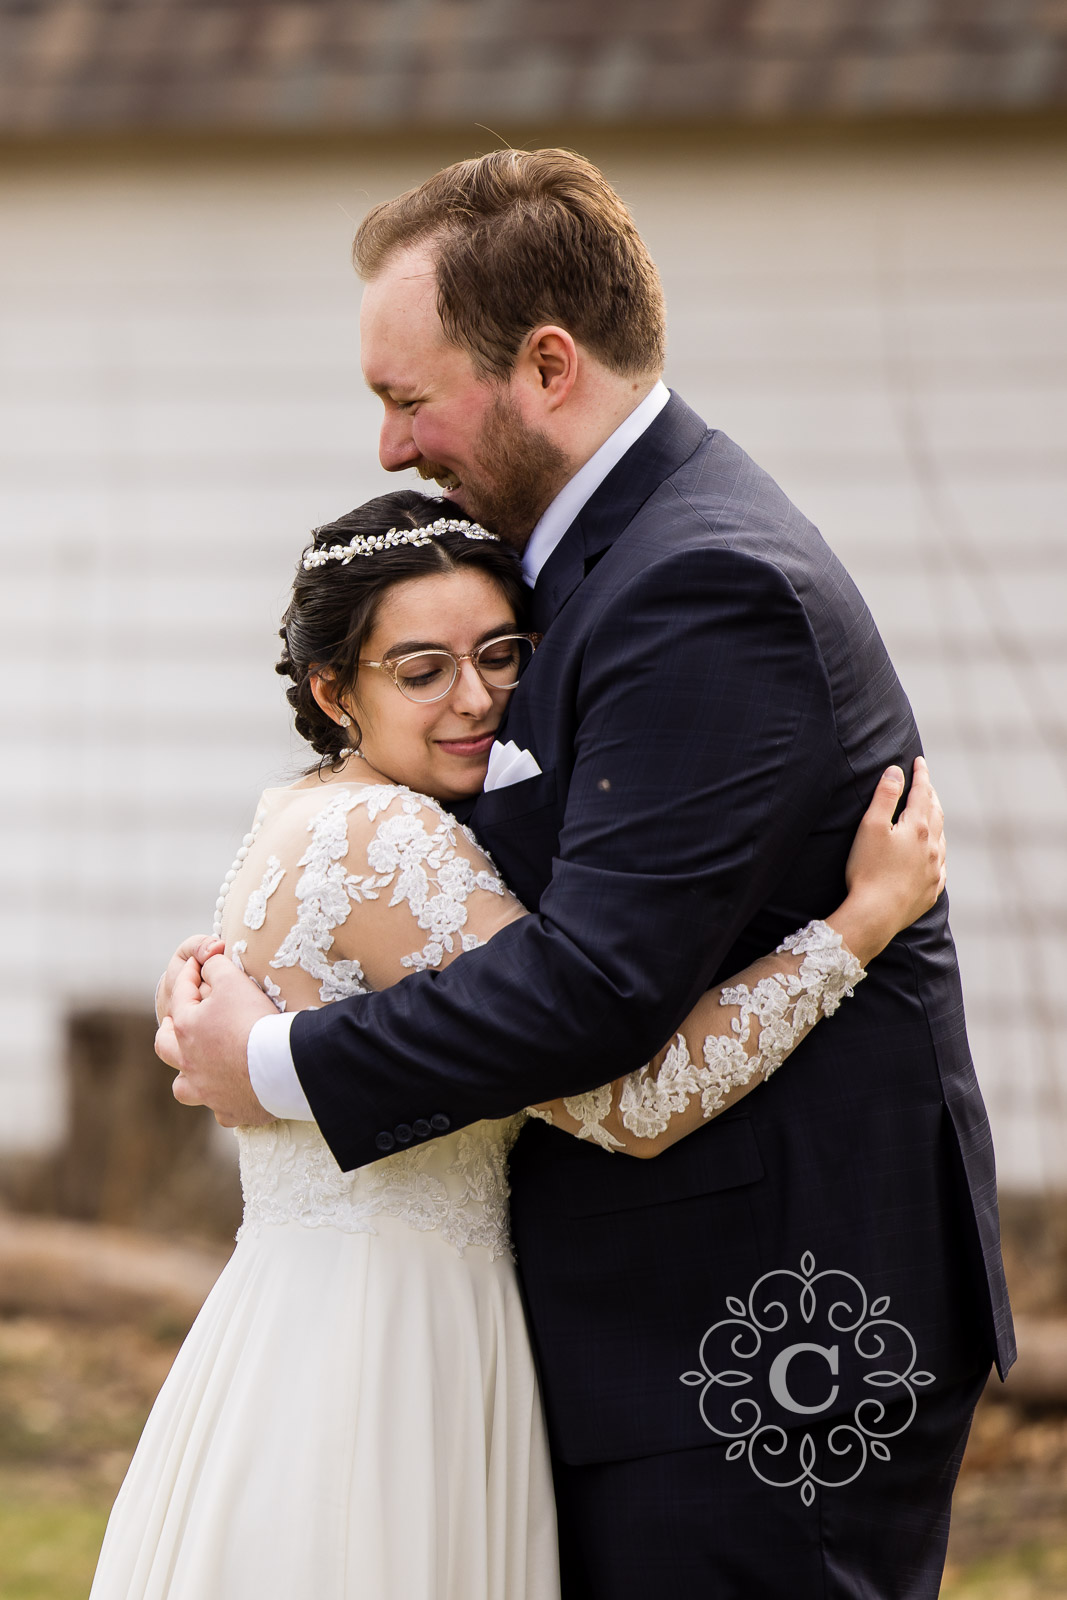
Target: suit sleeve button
<point x="421" y="1128"/>
<point x="384" y="1141"/>
<point x="439" y="1122"/>
<point x="403" y="1133"/>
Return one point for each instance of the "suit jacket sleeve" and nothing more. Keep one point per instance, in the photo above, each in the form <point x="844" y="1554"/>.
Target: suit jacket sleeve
<point x="703" y="756"/>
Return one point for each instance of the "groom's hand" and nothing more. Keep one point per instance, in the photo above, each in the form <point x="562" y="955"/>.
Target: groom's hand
<point x="204" y="1037"/>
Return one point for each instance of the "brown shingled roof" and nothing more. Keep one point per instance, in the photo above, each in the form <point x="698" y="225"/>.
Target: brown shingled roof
<point x="314" y="64"/>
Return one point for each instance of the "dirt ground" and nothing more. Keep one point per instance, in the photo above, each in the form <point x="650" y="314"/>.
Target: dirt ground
<point x="1009" y="1521"/>
<point x="74" y="1394"/>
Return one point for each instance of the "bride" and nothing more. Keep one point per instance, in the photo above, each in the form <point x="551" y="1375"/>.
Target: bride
<point x="355" y="1411"/>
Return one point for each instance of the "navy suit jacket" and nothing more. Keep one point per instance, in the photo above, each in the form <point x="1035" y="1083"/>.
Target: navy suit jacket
<point x="711" y="709"/>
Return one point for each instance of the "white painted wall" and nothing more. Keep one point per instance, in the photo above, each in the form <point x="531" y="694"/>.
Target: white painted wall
<point x="882" y="327"/>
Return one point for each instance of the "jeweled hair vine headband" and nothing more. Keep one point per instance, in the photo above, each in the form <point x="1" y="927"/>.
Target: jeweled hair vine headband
<point x="371" y="544"/>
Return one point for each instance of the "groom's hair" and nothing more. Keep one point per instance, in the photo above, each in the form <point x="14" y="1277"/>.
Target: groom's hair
<point x="521" y="238"/>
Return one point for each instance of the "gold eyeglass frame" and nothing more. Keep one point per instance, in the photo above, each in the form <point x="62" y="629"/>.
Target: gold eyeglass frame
<point x="393" y="667"/>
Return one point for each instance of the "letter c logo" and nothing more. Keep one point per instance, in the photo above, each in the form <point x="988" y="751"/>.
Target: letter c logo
<point x="779" y="1377"/>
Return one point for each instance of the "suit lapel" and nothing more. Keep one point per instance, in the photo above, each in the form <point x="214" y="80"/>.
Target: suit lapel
<point x="668" y="442"/>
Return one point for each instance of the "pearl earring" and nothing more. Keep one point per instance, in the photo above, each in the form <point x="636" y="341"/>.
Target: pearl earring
<point x="346" y="720"/>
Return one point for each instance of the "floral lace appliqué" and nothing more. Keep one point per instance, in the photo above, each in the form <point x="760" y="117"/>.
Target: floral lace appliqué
<point x="271" y="990"/>
<point x="423" y="869"/>
<point x="785" y="1005"/>
<point x="256" y="909"/>
<point x="456" y="1186"/>
<point x="590" y="1109"/>
<point x="324" y="896"/>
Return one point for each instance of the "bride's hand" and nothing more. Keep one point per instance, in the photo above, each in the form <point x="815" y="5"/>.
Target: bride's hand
<point x="895" y="871"/>
<point x="205" y="1039"/>
<point x="198" y="947"/>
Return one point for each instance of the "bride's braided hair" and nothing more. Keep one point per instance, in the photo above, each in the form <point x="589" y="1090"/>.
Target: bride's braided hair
<point x="333" y="607"/>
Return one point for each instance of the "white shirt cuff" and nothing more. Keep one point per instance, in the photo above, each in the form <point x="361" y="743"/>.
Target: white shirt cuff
<point x="271" y="1071"/>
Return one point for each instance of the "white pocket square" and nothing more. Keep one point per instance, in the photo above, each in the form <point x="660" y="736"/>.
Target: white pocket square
<point x="508" y="764"/>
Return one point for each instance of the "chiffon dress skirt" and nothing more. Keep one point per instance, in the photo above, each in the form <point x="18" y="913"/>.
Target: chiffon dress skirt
<point x="355" y="1411"/>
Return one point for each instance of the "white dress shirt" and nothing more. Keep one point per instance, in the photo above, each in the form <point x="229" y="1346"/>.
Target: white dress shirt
<point x="579" y="490"/>
<point x="270" y="1060"/>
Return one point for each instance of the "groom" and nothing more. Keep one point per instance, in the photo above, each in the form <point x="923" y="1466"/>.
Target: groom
<point x="760" y="1352"/>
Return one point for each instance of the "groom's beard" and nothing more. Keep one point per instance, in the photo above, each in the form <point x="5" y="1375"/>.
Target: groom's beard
<point x="517" y="471"/>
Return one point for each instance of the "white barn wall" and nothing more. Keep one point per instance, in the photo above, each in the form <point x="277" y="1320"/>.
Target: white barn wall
<point x="883" y="327"/>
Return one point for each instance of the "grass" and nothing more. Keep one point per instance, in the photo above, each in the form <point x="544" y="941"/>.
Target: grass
<point x="50" y="1533"/>
<point x="73" y="1399"/>
<point x="1030" y="1572"/>
<point x="48" y="1546"/>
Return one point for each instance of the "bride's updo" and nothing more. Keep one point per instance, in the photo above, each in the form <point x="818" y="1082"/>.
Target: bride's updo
<point x="334" y="604"/>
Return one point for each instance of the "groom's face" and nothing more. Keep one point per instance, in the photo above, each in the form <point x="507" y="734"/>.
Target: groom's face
<point x="443" y="419"/>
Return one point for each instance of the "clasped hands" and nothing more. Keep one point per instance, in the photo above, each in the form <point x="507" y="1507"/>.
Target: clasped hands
<point x="206" y="1008"/>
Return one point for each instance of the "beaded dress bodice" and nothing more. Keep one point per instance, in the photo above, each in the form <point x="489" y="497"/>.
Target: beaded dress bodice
<point x="339" y="890"/>
<point x="456" y="1185"/>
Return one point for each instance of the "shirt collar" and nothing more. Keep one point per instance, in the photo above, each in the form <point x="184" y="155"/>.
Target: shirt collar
<point x="558" y="516"/>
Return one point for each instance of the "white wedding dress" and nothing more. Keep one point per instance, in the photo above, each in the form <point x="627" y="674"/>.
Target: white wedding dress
<point x="355" y="1412"/>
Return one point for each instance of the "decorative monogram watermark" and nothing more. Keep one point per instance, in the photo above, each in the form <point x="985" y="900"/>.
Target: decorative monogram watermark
<point x="802" y="1376"/>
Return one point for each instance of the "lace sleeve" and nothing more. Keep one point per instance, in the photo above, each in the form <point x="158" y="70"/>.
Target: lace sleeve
<point x="351" y="889"/>
<point x="746" y="1030"/>
<point x="429" y="892"/>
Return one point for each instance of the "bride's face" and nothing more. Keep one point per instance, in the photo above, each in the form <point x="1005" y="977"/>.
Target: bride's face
<point x="440" y="748"/>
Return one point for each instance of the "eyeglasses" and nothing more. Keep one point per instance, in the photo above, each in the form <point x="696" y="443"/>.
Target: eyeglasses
<point x="428" y="675"/>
